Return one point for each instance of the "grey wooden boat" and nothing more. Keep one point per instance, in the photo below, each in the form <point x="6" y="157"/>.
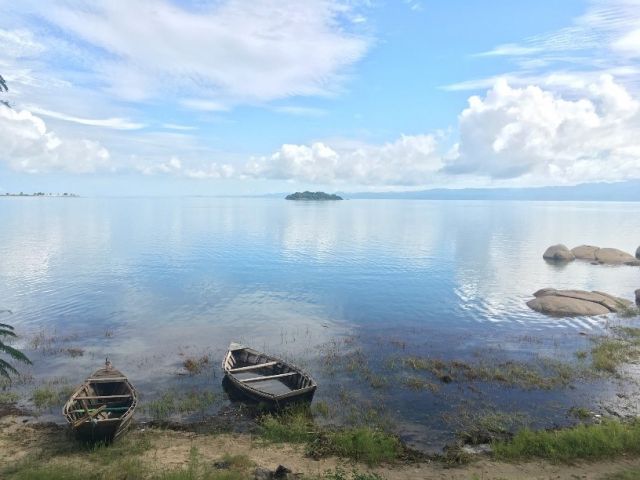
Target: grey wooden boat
<point x="265" y="378"/>
<point x="101" y="409"/>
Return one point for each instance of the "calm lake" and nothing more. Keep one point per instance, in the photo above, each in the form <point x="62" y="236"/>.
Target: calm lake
<point x="149" y="282"/>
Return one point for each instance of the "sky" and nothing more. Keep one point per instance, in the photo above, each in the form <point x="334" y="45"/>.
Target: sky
<point x="242" y="97"/>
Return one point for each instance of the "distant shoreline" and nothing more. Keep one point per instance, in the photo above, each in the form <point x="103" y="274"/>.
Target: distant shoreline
<point x="40" y="194"/>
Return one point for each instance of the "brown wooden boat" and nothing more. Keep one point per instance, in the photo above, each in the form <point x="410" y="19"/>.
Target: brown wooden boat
<point x="266" y="379"/>
<point x="101" y="409"/>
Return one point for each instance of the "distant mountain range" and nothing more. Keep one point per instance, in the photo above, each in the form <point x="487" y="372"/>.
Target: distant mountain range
<point x="603" y="192"/>
<point x="619" y="192"/>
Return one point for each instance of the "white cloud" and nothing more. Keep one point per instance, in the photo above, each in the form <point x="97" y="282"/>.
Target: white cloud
<point x="518" y="135"/>
<point x="115" y="122"/>
<point x="536" y="134"/>
<point x="28" y="146"/>
<point x="411" y="160"/>
<point x="19" y="43"/>
<point x="301" y="111"/>
<point x="224" y="53"/>
<point x="605" y="39"/>
<point x="175" y="166"/>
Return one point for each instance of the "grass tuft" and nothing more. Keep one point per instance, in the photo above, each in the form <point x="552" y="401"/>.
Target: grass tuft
<point x="608" y="439"/>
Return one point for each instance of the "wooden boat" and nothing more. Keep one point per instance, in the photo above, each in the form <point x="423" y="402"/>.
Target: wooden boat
<point x="266" y="379"/>
<point x="101" y="409"/>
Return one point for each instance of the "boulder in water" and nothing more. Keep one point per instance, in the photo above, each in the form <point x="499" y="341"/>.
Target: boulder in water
<point x="585" y="252"/>
<point x="558" y="253"/>
<point x="576" y="302"/>
<point x="613" y="256"/>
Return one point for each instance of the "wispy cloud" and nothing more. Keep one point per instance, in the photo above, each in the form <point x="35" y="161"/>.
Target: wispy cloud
<point x="604" y="40"/>
<point x="301" y="111"/>
<point x="115" y="123"/>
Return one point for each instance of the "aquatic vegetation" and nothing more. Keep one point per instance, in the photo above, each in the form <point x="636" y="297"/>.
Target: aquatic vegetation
<point x="9" y="397"/>
<point x="580" y="413"/>
<point x="173" y="402"/>
<point x="194" y="366"/>
<point x="416" y="383"/>
<point x="609" y="352"/>
<point x="608" y="439"/>
<point x="544" y="374"/>
<point x="46" y="397"/>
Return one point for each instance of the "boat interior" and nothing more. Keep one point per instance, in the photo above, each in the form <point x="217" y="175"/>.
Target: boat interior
<point x="264" y="373"/>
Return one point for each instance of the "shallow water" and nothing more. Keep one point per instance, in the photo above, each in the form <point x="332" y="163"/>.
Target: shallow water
<point x="151" y="281"/>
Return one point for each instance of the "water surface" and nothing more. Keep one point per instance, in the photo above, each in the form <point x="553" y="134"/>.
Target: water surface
<point x="151" y="281"/>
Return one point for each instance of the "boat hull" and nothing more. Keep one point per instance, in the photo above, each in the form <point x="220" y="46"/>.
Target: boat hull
<point x="101" y="409"/>
<point x="296" y="386"/>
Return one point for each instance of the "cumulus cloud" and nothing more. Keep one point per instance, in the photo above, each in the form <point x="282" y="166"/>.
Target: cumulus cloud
<point x="175" y="166"/>
<point x="527" y="134"/>
<point x="529" y="131"/>
<point x="410" y="160"/>
<point x="28" y="146"/>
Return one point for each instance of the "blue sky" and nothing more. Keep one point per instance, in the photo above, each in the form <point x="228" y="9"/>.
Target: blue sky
<point x="243" y="97"/>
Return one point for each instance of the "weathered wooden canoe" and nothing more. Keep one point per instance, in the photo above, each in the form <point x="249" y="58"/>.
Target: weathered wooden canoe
<point x="100" y="410"/>
<point x="266" y="379"/>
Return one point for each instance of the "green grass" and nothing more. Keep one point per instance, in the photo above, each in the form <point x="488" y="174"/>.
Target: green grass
<point x="294" y="425"/>
<point x="340" y="474"/>
<point x="362" y="444"/>
<point x="121" y="461"/>
<point x="608" y="439"/>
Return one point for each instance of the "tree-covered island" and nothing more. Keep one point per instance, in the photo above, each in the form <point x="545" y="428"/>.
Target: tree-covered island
<point x="312" y="196"/>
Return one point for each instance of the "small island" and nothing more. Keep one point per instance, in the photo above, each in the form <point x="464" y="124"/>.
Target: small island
<point x="312" y="196"/>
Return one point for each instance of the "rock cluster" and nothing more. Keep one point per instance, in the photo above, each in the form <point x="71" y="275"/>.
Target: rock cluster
<point x="609" y="256"/>
<point x="576" y="302"/>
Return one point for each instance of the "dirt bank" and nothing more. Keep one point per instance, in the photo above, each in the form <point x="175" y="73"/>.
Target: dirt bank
<point x="22" y="438"/>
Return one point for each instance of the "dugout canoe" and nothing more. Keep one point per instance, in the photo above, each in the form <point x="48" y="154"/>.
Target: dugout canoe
<point x="266" y="379"/>
<point x="101" y="409"/>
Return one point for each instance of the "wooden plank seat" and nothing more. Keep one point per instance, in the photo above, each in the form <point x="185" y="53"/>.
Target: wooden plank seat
<point x="106" y="379"/>
<point x="107" y="409"/>
<point x="268" y="377"/>
<point x="252" y="367"/>
<point x="103" y="397"/>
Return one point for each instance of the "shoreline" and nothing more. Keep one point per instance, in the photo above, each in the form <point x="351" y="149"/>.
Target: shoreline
<point x="29" y="446"/>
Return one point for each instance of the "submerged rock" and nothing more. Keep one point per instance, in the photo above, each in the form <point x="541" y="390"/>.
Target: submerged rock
<point x="615" y="257"/>
<point x="585" y="252"/>
<point x="576" y="302"/>
<point x="558" y="253"/>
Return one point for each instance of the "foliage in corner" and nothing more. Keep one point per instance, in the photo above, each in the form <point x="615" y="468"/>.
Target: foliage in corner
<point x="4" y="88"/>
<point x="5" y="367"/>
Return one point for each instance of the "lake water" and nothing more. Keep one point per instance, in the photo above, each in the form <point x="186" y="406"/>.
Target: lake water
<point x="149" y="282"/>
